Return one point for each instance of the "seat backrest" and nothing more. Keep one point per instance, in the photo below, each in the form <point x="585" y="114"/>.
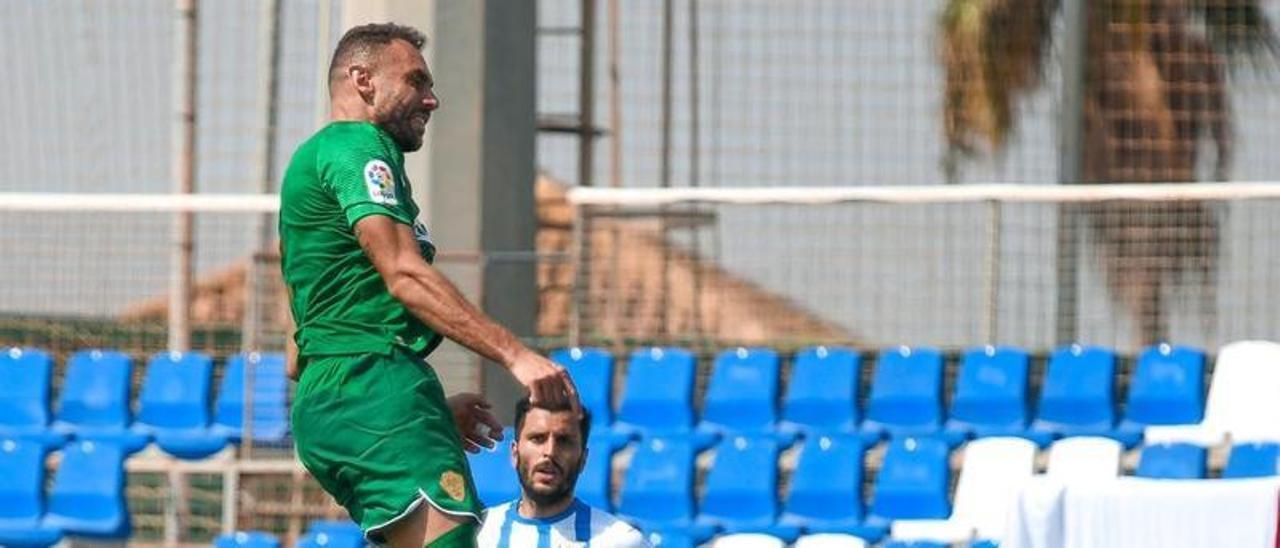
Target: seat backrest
<point x="246" y="539"/>
<point x="332" y="534"/>
<point x="592" y="372"/>
<point x="1242" y="399"/>
<point x="90" y="483"/>
<point x="594" y="482"/>
<point x="659" y="391"/>
<point x="993" y="471"/>
<point x="495" y="477"/>
<point x="823" y="390"/>
<point x="21" y="482"/>
<point x="1167" y="386"/>
<point x="748" y="540"/>
<point x="175" y="392"/>
<point x="1172" y="461"/>
<point x="25" y="378"/>
<point x="742" y="395"/>
<point x="95" y="390"/>
<point x="827" y="482"/>
<point x="743" y="482"/>
<point x="907" y="388"/>
<point x="1078" y="386"/>
<point x="913" y="481"/>
<point x="991" y="387"/>
<point x="1253" y="460"/>
<point x="829" y="540"/>
<point x="270" y="395"/>
<point x="1084" y="458"/>
<point x="659" y="481"/>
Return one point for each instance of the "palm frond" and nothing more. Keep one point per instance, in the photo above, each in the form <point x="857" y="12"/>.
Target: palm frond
<point x="1237" y="27"/>
<point x="994" y="53"/>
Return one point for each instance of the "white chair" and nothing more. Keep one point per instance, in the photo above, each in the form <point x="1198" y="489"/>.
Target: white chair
<point x="994" y="470"/>
<point x="1084" y="458"/>
<point x="1242" y="402"/>
<point x="829" y="540"/>
<point x="748" y="540"/>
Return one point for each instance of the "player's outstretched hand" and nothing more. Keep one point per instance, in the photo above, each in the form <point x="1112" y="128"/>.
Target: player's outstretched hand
<point x="549" y="384"/>
<point x="476" y="424"/>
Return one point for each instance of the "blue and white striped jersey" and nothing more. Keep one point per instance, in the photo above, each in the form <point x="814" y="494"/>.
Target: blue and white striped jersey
<point x="578" y="526"/>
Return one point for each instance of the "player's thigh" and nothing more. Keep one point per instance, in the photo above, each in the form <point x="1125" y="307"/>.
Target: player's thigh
<point x="428" y="525"/>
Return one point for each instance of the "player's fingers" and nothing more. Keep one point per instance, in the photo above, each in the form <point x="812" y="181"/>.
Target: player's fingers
<point x="489" y="422"/>
<point x="571" y="392"/>
<point x="470" y="446"/>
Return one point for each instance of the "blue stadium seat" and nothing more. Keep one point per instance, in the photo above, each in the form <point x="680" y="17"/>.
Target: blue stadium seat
<point x="592" y="372"/>
<point x="914" y="544"/>
<point x="246" y="539"/>
<point x="496" y="480"/>
<point x="270" y="398"/>
<point x="657" y="493"/>
<point x="1253" y="460"/>
<point x="742" y="396"/>
<point x="332" y="534"/>
<point x="25" y="379"/>
<point x="822" y="396"/>
<point x="1172" y="461"/>
<point x="88" y="492"/>
<point x="991" y="394"/>
<point x="669" y="538"/>
<point x="826" y="488"/>
<point x="94" y="403"/>
<point x="906" y="393"/>
<point x="594" y="482"/>
<point x="1167" y="388"/>
<point x="1077" y="397"/>
<point x="741" y="493"/>
<point x="913" y="482"/>
<point x="174" y="405"/>
<point x="22" y="495"/>
<point x="658" y="397"/>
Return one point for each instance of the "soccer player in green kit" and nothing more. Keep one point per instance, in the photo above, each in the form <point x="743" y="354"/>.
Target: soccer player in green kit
<point x="370" y="419"/>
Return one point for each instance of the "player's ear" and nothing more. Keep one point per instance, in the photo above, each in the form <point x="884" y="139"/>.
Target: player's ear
<point x="362" y="80"/>
<point x="582" y="462"/>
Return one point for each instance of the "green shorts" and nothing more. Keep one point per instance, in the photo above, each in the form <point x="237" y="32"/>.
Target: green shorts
<point x="377" y="434"/>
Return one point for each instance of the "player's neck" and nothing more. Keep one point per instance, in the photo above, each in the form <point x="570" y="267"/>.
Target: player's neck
<point x="531" y="510"/>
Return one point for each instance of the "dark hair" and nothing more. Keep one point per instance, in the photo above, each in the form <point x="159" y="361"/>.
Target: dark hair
<point x="524" y="405"/>
<point x="364" y="41"/>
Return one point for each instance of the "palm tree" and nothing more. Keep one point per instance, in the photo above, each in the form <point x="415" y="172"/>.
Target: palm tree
<point x="1154" y="91"/>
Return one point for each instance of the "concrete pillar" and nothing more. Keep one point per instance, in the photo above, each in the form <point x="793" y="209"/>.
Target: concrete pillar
<point x="474" y="178"/>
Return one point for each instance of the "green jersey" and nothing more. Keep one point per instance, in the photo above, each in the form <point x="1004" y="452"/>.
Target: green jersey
<point x="343" y="173"/>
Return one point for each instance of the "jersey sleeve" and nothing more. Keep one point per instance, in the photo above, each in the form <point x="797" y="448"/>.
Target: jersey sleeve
<point x="363" y="181"/>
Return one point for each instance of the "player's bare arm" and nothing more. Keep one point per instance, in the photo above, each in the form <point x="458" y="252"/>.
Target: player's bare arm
<point x="431" y="297"/>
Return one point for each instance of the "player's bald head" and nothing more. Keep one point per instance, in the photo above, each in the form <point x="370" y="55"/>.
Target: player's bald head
<point x="361" y="46"/>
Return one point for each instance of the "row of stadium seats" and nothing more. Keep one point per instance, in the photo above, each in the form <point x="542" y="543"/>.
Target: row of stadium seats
<point x="320" y="534"/>
<point x="825" y="494"/>
<point x="992" y="394"/>
<point x="174" y="407"/>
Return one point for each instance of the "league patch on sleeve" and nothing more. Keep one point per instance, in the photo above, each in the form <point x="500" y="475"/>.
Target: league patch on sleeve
<point x="381" y="182"/>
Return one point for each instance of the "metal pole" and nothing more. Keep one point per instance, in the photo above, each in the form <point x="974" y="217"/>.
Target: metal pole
<point x="615" y="98"/>
<point x="186" y="41"/>
<point x="668" y="14"/>
<point x="612" y="292"/>
<point x="251" y="327"/>
<point x="1070" y="164"/>
<point x="324" y="24"/>
<point x="586" y="93"/>
<point x="991" y="303"/>
<point x="695" y="167"/>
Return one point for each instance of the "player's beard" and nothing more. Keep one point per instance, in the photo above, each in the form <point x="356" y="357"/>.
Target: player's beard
<point x="568" y="480"/>
<point x="400" y="124"/>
